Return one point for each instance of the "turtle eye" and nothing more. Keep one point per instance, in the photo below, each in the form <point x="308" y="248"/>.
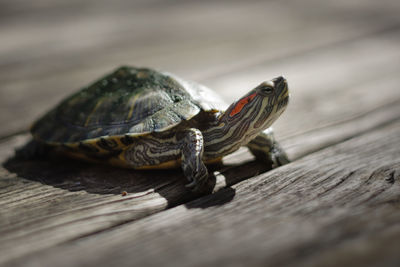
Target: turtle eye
<point x="267" y="90"/>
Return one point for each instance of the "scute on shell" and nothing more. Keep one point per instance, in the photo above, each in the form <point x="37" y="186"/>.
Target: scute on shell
<point x="129" y="101"/>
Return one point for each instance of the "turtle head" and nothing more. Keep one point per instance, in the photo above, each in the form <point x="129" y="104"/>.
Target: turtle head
<point x="247" y="117"/>
<point x="259" y="108"/>
<point x="274" y="96"/>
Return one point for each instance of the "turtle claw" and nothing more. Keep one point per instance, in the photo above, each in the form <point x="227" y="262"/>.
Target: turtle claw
<point x="278" y="156"/>
<point x="196" y="183"/>
<point x="191" y="185"/>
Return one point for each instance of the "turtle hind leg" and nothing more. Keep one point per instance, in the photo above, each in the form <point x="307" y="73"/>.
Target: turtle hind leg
<point x="32" y="150"/>
<point x="265" y="148"/>
<point x="192" y="164"/>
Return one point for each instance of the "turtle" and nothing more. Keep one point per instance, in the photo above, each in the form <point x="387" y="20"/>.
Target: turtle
<point x="141" y="118"/>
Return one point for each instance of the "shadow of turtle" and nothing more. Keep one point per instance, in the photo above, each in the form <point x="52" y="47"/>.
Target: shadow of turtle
<point x="74" y="175"/>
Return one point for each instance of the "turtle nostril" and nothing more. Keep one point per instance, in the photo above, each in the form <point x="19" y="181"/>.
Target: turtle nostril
<point x="277" y="81"/>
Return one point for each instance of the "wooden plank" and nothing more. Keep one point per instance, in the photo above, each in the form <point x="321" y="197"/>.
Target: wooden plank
<point x="127" y="17"/>
<point x="61" y="200"/>
<point x="37" y="60"/>
<point x="343" y="210"/>
<point x="39" y="198"/>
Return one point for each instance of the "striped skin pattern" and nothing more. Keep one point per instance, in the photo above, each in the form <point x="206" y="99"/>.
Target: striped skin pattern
<point x="265" y="148"/>
<point x="192" y="158"/>
<point x="144" y="119"/>
<point x="241" y="124"/>
<point x="257" y="115"/>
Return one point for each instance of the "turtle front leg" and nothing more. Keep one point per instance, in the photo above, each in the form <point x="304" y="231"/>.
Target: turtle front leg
<point x="192" y="164"/>
<point x="265" y="148"/>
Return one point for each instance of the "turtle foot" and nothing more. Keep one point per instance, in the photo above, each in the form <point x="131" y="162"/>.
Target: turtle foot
<point x="278" y="156"/>
<point x="197" y="181"/>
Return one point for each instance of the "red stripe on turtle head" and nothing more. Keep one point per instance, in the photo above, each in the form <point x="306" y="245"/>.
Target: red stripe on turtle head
<point x="241" y="104"/>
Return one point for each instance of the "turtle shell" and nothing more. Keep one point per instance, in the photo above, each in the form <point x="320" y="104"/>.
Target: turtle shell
<point x="129" y="101"/>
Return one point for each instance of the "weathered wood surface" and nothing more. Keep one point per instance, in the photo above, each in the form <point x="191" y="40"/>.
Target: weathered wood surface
<point x="342" y="211"/>
<point x="339" y="204"/>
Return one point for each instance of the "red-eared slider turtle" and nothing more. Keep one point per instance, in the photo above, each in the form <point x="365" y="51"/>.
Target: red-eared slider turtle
<point x="144" y="119"/>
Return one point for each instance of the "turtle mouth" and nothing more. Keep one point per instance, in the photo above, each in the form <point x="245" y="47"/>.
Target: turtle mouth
<point x="282" y="103"/>
<point x="282" y="93"/>
<point x="280" y="84"/>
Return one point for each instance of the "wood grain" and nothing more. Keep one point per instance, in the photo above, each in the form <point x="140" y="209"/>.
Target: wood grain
<point x="336" y="204"/>
<point x="83" y="199"/>
<point x="315" y="214"/>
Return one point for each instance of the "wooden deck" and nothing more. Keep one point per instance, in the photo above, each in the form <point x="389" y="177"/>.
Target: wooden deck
<point x="336" y="204"/>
